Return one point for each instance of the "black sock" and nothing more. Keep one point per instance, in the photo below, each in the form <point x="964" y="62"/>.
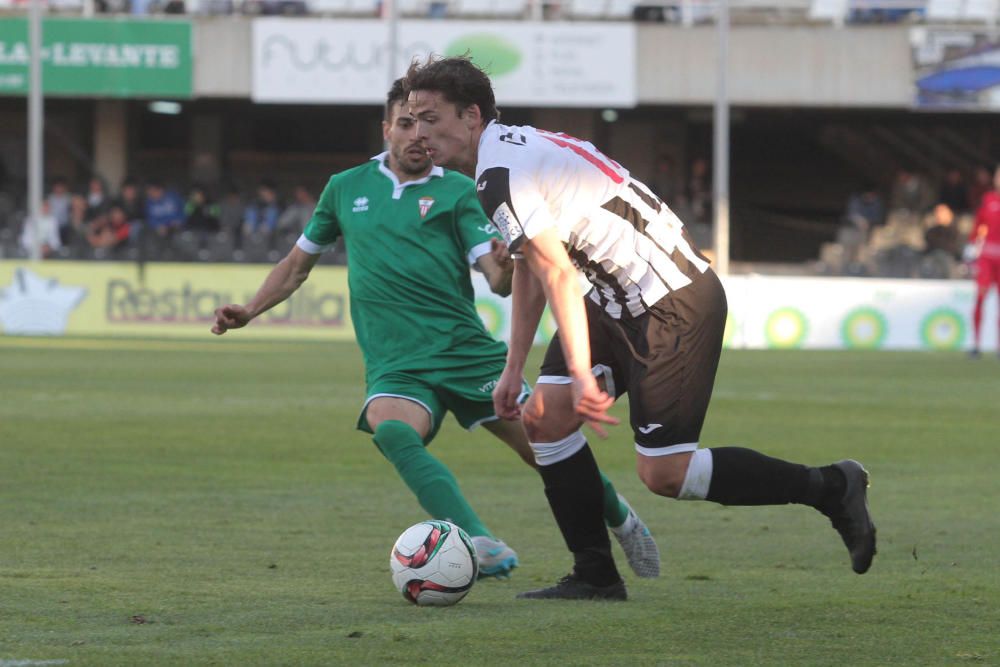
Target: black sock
<point x="744" y="477"/>
<point x="576" y="496"/>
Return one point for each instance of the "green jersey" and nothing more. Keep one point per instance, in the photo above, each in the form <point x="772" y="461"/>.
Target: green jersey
<point x="409" y="247"/>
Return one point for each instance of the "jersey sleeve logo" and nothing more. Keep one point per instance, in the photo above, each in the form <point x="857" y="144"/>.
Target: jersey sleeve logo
<point x="493" y="188"/>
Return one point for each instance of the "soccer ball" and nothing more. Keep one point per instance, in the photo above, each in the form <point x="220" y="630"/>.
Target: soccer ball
<point x="434" y="563"/>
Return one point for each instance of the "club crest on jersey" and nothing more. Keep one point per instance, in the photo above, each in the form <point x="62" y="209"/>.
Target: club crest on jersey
<point x="360" y="205"/>
<point x="425" y="205"/>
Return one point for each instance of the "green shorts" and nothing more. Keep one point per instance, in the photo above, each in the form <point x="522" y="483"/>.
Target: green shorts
<point x="466" y="392"/>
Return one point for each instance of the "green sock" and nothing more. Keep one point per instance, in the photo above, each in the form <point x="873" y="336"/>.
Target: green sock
<point x="615" y="511"/>
<point x="433" y="484"/>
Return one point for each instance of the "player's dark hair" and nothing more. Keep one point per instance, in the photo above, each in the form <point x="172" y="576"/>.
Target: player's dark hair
<point x="396" y="95"/>
<point x="459" y="80"/>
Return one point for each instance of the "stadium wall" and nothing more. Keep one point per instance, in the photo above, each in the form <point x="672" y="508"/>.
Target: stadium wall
<point x="812" y="65"/>
<point x="178" y="300"/>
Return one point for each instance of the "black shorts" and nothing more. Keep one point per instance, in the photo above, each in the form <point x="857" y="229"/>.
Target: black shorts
<point x="665" y="360"/>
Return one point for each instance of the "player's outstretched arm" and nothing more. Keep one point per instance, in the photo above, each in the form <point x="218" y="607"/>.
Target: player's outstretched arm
<point x="286" y="277"/>
<point x="549" y="262"/>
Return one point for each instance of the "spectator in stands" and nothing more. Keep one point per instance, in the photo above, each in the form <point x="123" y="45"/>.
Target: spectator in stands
<point x="986" y="235"/>
<point x="910" y="193"/>
<point x="77" y="221"/>
<point x="953" y="193"/>
<point x="109" y="230"/>
<point x="231" y="211"/>
<point x="131" y="203"/>
<point x="982" y="182"/>
<point x="164" y="210"/>
<point x="97" y="199"/>
<point x="299" y="212"/>
<point x="865" y="209"/>
<point x="59" y="200"/>
<point x="201" y="215"/>
<point x="699" y="191"/>
<point x="942" y="235"/>
<point x="664" y="180"/>
<point x="261" y="218"/>
<point x="45" y="231"/>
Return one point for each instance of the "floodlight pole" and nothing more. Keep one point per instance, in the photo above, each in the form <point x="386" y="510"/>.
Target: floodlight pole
<point x="392" y="21"/>
<point x="720" y="176"/>
<point x="35" y="124"/>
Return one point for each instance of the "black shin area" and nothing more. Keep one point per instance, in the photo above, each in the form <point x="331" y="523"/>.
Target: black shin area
<point x="743" y="476"/>
<point x="576" y="496"/>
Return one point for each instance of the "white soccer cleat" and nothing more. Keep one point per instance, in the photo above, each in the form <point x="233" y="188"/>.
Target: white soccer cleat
<point x="496" y="559"/>
<point x="637" y="543"/>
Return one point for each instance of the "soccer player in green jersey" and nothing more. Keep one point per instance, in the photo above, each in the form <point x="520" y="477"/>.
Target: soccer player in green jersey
<point x="411" y="230"/>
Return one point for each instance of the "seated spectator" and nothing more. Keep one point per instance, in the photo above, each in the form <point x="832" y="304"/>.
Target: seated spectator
<point x="941" y="235"/>
<point x="261" y="218"/>
<point x="953" y="192"/>
<point x="231" y="210"/>
<point x="910" y="193"/>
<point x="200" y="215"/>
<point x="59" y="200"/>
<point x="865" y="209"/>
<point x="699" y="191"/>
<point x="297" y="215"/>
<point x="130" y="201"/>
<point x="982" y="182"/>
<point x="44" y="232"/>
<point x="164" y="210"/>
<point x="110" y="230"/>
<point x="97" y="199"/>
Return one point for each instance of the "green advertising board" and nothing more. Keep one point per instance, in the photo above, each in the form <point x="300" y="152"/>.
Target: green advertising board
<point x="100" y="58"/>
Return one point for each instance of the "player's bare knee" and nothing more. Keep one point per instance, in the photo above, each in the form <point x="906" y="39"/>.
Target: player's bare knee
<point x="544" y="423"/>
<point x="664" y="475"/>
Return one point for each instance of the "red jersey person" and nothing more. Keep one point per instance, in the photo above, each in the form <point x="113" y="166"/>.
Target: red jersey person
<point x="986" y="235"/>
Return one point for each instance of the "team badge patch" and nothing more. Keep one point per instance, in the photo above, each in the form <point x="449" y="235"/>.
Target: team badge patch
<point x="425" y="205"/>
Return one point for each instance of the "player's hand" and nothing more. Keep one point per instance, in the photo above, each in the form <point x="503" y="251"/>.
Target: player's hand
<point x="591" y="404"/>
<point x="230" y="317"/>
<point x="500" y="253"/>
<point x="505" y="394"/>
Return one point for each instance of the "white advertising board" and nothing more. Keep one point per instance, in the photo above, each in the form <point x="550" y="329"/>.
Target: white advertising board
<point x="531" y="64"/>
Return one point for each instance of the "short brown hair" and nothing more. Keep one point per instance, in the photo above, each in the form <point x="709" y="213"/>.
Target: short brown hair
<point x="460" y="81"/>
<point x="397" y="94"/>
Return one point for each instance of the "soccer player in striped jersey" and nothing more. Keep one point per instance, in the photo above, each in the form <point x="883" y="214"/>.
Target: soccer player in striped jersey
<point x="651" y="327"/>
<point x="411" y="231"/>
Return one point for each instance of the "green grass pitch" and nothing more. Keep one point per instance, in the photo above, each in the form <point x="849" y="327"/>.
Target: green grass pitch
<point x="210" y="503"/>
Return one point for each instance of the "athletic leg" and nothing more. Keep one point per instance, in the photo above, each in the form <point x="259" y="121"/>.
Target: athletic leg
<point x="671" y="394"/>
<point x="616" y="511"/>
<point x="400" y="426"/>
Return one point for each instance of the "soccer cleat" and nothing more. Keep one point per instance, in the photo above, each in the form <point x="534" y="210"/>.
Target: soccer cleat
<point x="638" y="545"/>
<point x="496" y="559"/>
<point x="851" y="517"/>
<point x="572" y="587"/>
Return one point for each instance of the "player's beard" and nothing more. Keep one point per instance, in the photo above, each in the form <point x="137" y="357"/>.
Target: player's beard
<point x="410" y="163"/>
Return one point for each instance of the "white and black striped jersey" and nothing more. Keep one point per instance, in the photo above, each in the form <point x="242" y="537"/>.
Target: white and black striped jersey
<point x="631" y="247"/>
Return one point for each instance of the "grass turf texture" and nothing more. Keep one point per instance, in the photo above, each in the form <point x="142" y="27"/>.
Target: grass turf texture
<point x="211" y="503"/>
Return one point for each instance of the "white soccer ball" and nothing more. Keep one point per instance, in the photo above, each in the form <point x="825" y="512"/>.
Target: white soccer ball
<point x="434" y="563"/>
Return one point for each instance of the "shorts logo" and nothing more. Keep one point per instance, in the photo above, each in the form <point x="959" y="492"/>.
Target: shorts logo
<point x="360" y="205"/>
<point x="648" y="428"/>
<point x="488" y="387"/>
<point x="425" y="205"/>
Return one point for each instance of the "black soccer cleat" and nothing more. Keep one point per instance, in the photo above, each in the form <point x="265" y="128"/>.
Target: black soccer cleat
<point x="572" y="587"/>
<point x="851" y="517"/>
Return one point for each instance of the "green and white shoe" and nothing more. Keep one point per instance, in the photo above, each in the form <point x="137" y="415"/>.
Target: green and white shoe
<point x="638" y="544"/>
